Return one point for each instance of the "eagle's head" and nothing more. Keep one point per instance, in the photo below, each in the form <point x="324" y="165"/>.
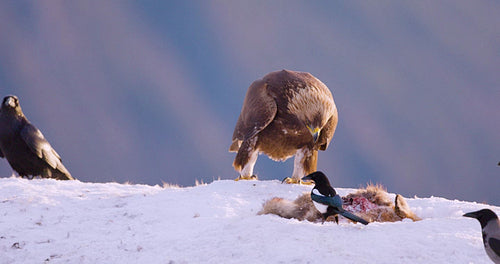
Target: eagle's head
<point x="315" y="124"/>
<point x="313" y="106"/>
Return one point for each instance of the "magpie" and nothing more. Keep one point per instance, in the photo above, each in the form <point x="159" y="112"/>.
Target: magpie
<point x="326" y="199"/>
<point x="490" y="226"/>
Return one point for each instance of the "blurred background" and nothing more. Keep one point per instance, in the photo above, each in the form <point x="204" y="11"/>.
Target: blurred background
<point x="150" y="91"/>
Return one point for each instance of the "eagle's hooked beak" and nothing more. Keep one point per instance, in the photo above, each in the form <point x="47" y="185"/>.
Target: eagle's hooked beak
<point x="314" y="132"/>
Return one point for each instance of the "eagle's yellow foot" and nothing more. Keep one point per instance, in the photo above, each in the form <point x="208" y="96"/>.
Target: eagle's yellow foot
<point x="289" y="180"/>
<point x="252" y="177"/>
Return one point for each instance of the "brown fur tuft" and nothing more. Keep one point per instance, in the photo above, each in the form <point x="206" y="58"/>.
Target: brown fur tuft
<point x="302" y="208"/>
<point x="375" y="193"/>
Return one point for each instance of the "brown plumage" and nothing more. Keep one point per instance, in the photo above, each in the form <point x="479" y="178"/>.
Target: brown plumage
<point x="286" y="113"/>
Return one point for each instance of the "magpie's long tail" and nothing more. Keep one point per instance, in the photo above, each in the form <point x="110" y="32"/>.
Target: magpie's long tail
<point x="353" y="217"/>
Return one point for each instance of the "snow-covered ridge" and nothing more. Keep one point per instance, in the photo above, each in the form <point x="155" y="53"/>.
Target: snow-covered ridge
<point x="73" y="222"/>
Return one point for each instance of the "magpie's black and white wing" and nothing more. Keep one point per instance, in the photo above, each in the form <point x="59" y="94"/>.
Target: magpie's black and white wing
<point x="334" y="201"/>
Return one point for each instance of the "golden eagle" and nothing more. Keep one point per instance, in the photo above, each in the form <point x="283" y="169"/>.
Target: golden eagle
<point x="285" y="113"/>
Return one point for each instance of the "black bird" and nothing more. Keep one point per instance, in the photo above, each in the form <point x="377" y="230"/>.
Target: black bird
<point x="25" y="147"/>
<point x="326" y="199"/>
<point x="491" y="232"/>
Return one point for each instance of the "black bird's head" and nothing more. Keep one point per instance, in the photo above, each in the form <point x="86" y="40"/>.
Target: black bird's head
<point x="318" y="177"/>
<point x="10" y="104"/>
<point x="483" y="216"/>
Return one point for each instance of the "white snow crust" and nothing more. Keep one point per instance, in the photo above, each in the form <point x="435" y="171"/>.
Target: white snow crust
<point x="49" y="221"/>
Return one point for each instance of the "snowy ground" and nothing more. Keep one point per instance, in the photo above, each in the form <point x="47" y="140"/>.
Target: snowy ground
<point x="73" y="222"/>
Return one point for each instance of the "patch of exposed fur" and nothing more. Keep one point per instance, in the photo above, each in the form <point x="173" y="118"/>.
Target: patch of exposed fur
<point x="383" y="209"/>
<point x="302" y="208"/>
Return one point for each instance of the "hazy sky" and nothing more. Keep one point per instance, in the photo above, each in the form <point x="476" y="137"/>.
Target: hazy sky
<point x="149" y="91"/>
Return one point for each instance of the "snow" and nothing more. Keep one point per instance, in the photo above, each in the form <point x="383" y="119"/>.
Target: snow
<point x="49" y="221"/>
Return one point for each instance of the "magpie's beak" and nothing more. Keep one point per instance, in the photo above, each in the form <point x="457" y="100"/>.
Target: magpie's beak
<point x="307" y="178"/>
<point x="471" y="215"/>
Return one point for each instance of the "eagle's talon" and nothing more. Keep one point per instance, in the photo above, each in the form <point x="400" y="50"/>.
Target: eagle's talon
<point x="289" y="180"/>
<point x="248" y="178"/>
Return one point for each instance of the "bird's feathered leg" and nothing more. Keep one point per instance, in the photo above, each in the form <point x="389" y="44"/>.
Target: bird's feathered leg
<point x="304" y="163"/>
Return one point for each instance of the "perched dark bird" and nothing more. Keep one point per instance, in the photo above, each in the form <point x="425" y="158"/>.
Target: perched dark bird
<point x="25" y="147"/>
<point x="490" y="226"/>
<point x="326" y="199"/>
<point x="286" y="113"/>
